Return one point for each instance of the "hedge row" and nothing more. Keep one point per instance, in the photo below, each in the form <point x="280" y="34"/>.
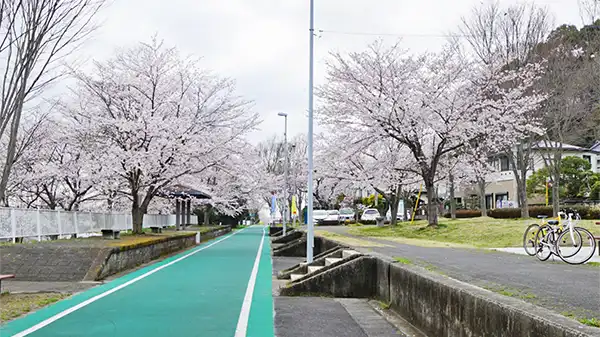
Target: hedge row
<point x="465" y="213"/>
<point x="586" y="212"/>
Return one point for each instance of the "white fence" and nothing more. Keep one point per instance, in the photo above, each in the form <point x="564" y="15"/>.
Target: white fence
<point x="15" y="223"/>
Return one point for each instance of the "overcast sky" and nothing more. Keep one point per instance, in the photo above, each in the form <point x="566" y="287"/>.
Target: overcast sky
<point x="263" y="44"/>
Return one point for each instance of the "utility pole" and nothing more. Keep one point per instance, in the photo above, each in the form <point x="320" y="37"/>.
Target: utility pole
<point x="309" y="212"/>
<point x="286" y="168"/>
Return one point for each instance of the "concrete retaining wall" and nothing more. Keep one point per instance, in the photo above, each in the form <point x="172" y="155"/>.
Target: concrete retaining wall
<point x="438" y="305"/>
<point x="290" y="236"/>
<point x="123" y="258"/>
<point x="215" y="233"/>
<point x="353" y="279"/>
<point x="297" y="248"/>
<point x="441" y="306"/>
<point x="47" y="262"/>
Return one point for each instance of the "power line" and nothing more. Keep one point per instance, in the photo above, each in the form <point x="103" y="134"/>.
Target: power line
<point x="321" y="31"/>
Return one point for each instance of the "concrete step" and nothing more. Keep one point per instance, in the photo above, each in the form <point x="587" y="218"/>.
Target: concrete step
<point x="294" y="277"/>
<point x="312" y="269"/>
<point x="331" y="260"/>
<point x="347" y="253"/>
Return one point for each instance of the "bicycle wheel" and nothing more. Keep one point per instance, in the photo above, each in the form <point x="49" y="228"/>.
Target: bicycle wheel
<point x="529" y="239"/>
<point x="544" y="242"/>
<point x="568" y="243"/>
<point x="586" y="250"/>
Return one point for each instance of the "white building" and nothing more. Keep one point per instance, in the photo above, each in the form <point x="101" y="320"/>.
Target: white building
<point x="502" y="186"/>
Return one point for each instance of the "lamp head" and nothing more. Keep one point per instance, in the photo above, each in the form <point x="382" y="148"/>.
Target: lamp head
<point x="283" y="114"/>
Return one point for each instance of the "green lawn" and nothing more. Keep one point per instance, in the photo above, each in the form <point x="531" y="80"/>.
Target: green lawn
<point x="483" y="232"/>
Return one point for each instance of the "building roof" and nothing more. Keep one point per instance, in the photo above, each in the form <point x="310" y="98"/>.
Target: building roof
<point x="182" y="191"/>
<point x="549" y="145"/>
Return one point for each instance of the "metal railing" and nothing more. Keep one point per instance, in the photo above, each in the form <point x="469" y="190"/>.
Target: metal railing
<point x="39" y="223"/>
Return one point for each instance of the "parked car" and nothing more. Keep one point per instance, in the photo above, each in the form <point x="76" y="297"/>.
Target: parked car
<point x="399" y="216"/>
<point x="319" y="215"/>
<point x="332" y="218"/>
<point x="347" y="214"/>
<point x="370" y="214"/>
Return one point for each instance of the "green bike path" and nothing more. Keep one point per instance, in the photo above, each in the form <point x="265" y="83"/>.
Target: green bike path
<point x="221" y="288"/>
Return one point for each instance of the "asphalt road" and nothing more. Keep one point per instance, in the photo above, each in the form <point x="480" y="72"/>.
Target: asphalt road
<point x="564" y="288"/>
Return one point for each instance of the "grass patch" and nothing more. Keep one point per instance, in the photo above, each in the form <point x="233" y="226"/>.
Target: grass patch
<point x="348" y="240"/>
<point x="590" y="321"/>
<point x="16" y="305"/>
<point x="595" y="322"/>
<point x="482" y="232"/>
<point x="403" y="260"/>
<point x="593" y="263"/>
<point x="516" y="293"/>
<point x="384" y="306"/>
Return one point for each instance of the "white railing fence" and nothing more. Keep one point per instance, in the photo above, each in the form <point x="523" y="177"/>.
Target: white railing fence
<point x="38" y="223"/>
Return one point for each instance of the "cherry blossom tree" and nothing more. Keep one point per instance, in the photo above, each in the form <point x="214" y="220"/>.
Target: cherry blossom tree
<point x="360" y="161"/>
<point x="21" y="189"/>
<point x="34" y="35"/>
<point x="433" y="104"/>
<point x="153" y="118"/>
<point x="271" y="158"/>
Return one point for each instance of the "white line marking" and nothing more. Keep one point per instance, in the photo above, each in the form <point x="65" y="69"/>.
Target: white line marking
<point x="108" y="292"/>
<point x="242" y="325"/>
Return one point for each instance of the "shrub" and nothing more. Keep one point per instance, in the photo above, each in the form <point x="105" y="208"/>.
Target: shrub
<point x="505" y="213"/>
<point x="538" y="210"/>
<point x="586" y="212"/>
<point x="465" y="213"/>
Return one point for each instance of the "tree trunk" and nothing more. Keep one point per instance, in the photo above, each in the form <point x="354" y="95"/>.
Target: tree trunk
<point x="138" y="218"/>
<point x="519" y="165"/>
<point x="556" y="184"/>
<point x="432" y="216"/>
<point x="452" y="199"/>
<point x="555" y="198"/>
<point x="10" y="153"/>
<point x="482" y="204"/>
<point x="393" y="200"/>
<point x="522" y="191"/>
<point x="137" y="213"/>
<point x="207" y="215"/>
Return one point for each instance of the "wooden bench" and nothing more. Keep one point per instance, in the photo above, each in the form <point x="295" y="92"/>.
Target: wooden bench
<point x="111" y="234"/>
<point x="4" y="277"/>
<point x="156" y="229"/>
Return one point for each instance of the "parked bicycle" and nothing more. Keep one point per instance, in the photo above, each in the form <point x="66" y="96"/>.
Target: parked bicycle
<point x="573" y="245"/>
<point x="531" y="232"/>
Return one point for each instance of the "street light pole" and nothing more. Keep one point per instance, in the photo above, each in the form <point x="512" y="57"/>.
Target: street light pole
<point x="287" y="164"/>
<point x="309" y="213"/>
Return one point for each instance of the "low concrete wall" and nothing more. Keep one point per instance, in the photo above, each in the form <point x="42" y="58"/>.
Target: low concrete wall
<point x="119" y="259"/>
<point x="215" y="233"/>
<point x="438" y="305"/>
<point x="297" y="248"/>
<point x="441" y="306"/>
<point x="47" y="262"/>
<point x="290" y="236"/>
<point x="123" y="258"/>
<point x="353" y="279"/>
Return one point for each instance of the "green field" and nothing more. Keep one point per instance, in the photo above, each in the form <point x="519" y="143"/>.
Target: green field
<point x="483" y="232"/>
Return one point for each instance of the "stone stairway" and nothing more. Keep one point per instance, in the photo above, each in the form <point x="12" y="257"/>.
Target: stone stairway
<point x="319" y="265"/>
